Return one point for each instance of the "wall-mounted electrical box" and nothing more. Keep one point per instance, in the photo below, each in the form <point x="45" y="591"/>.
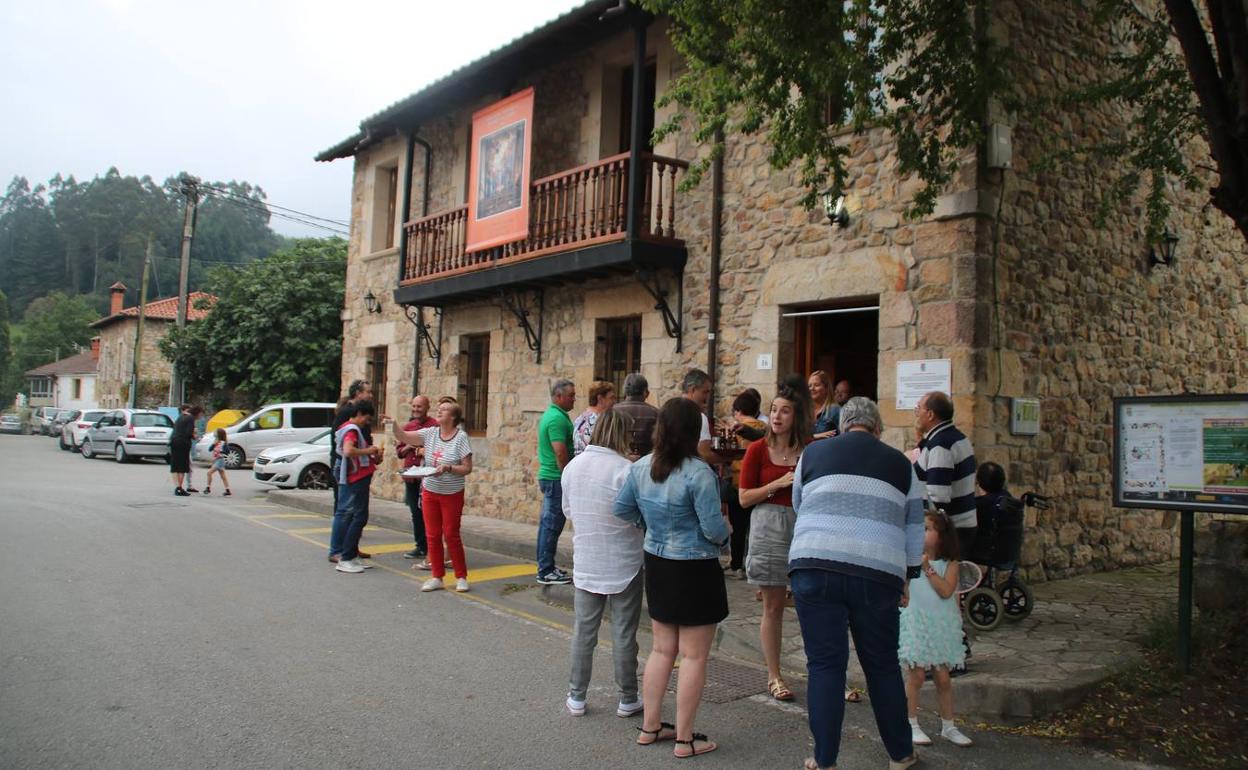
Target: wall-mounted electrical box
<point x="1000" y="149"/>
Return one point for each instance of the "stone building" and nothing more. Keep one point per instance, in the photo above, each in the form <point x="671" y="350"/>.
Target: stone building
<point x="1011" y="280"/>
<point x="118" y="331"/>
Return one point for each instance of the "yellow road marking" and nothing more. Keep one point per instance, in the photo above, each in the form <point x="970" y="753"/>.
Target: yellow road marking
<point x="287" y="516"/>
<point x="500" y="572"/>
<point x="387" y="547"/>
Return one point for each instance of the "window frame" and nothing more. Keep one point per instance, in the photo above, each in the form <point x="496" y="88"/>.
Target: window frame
<point x="475" y="403"/>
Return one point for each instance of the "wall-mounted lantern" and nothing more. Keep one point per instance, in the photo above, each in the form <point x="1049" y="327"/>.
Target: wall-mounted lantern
<point x="371" y="303"/>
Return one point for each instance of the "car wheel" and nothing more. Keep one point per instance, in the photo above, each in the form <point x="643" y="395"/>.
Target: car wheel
<point x="86" y="449"/>
<point x="315" y="476"/>
<point x="234" y="457"/>
<point x="119" y="453"/>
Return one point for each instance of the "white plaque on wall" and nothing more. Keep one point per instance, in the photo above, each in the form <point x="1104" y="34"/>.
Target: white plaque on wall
<point x="918" y="378"/>
<point x="1025" y="416"/>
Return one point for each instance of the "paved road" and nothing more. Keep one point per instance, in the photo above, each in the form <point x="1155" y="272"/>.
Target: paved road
<point x="139" y="630"/>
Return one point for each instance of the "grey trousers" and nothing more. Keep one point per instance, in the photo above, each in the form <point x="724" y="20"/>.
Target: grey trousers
<point x="625" y="614"/>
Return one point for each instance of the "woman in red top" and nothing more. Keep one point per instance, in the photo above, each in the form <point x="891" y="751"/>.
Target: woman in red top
<point x="767" y="484"/>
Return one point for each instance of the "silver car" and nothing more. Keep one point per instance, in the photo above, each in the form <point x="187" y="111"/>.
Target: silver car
<point x="126" y="434"/>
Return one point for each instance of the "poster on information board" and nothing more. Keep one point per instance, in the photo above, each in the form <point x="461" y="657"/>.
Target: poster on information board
<point x="498" y="180"/>
<point x="1186" y="453"/>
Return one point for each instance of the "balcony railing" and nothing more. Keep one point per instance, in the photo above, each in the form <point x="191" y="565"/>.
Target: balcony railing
<point x="571" y="210"/>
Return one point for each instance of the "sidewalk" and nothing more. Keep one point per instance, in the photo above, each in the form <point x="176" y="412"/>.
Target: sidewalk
<point x="1083" y="629"/>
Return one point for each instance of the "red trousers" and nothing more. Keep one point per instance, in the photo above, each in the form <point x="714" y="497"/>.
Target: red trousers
<point x="442" y="514"/>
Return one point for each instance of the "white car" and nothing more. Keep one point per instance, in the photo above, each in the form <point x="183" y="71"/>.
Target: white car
<point x="73" y="431"/>
<point x="271" y="426"/>
<point x="128" y="434"/>
<point x="305" y="466"/>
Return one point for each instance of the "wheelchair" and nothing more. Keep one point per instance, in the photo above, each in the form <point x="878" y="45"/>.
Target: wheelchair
<point x="1001" y="594"/>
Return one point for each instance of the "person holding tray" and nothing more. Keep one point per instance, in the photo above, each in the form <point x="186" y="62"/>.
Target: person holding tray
<point x="447" y="460"/>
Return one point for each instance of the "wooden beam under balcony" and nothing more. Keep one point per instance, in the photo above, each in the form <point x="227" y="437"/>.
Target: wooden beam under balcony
<point x="575" y="210"/>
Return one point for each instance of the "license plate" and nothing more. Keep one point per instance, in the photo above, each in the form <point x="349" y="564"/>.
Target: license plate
<point x="154" y="434"/>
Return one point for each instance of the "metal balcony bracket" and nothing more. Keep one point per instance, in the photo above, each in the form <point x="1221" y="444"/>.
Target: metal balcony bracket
<point x="523" y="308"/>
<point x="416" y="314"/>
<point x="671" y="321"/>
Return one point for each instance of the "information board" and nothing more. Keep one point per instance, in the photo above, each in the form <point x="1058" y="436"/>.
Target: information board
<point x="916" y="379"/>
<point x="1182" y="453"/>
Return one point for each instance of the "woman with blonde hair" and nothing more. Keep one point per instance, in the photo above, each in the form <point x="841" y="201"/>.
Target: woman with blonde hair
<point x="449" y="452"/>
<point x="826" y="413"/>
<point x="606" y="562"/>
<point x="601" y="398"/>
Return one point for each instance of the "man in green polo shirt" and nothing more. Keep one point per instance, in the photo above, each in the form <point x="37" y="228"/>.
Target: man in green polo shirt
<point x="554" y="450"/>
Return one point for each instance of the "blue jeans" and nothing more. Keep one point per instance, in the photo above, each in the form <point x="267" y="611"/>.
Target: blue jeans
<point x="551" y="525"/>
<point x="356" y="517"/>
<point x="345" y="508"/>
<point x="826" y="603"/>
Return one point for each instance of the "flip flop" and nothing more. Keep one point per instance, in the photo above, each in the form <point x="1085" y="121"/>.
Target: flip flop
<point x="694" y="750"/>
<point x="656" y="735"/>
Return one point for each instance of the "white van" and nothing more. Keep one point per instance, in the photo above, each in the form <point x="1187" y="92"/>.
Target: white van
<point x="269" y="426"/>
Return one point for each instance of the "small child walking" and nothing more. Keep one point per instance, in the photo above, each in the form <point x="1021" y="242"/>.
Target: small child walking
<point x="218" y="463"/>
<point x="931" y="628"/>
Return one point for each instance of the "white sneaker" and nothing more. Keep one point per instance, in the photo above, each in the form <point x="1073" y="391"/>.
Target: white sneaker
<point x="432" y="584"/>
<point x="918" y="737"/>
<point x="348" y="565"/>
<point x="575" y="707"/>
<point x="461" y="585"/>
<point x="629" y="709"/>
<point x="955" y="736"/>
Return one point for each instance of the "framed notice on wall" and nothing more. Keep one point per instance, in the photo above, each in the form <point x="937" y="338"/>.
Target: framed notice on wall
<point x="498" y="181"/>
<point x="916" y="379"/>
<point x="1182" y="453"/>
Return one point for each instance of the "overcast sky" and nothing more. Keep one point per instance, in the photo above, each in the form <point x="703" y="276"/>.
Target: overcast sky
<point x="247" y="90"/>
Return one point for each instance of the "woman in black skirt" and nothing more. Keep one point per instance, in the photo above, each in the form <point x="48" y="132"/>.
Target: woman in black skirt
<point x="180" y="447"/>
<point x="675" y="496"/>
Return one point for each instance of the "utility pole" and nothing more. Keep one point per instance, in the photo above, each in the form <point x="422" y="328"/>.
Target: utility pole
<point x="190" y="190"/>
<point x="138" y="333"/>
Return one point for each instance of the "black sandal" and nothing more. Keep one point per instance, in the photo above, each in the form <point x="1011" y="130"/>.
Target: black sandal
<point x="657" y="734"/>
<point x="694" y="751"/>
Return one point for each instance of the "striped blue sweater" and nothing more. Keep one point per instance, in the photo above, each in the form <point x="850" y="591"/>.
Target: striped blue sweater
<point x="946" y="465"/>
<point x="859" y="510"/>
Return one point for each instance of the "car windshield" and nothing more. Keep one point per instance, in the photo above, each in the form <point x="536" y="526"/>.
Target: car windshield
<point x="150" y="420"/>
<point x="320" y="438"/>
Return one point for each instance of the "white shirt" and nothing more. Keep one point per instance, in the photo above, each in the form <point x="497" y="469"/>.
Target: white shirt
<point x="606" y="550"/>
<point x="706" y="429"/>
<point x="441" y="452"/>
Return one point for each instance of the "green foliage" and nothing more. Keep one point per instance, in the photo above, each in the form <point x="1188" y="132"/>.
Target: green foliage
<point x="804" y="72"/>
<point x="55" y="327"/>
<point x="81" y="237"/>
<point x="6" y="351"/>
<point x="274" y="331"/>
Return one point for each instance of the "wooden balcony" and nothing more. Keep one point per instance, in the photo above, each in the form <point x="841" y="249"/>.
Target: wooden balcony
<point x="571" y="211"/>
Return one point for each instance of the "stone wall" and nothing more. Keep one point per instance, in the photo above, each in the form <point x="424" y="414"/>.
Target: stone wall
<point x="1083" y="318"/>
<point x="112" y="387"/>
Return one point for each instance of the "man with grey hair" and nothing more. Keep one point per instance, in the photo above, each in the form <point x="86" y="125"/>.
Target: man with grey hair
<point x="696" y="386"/>
<point x="554" y="450"/>
<point x="857" y="542"/>
<point x="641" y="436"/>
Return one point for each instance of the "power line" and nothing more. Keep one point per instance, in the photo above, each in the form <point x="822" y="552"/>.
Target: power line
<point x="224" y="191"/>
<point x="263" y="208"/>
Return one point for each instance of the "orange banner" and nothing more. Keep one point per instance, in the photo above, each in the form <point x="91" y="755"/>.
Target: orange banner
<point x="498" y="186"/>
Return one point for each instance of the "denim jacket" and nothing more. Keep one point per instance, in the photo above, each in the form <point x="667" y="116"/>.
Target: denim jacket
<point x="681" y="515"/>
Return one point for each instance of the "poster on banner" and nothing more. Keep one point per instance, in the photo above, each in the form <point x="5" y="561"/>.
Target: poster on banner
<point x="918" y="378"/>
<point x="1182" y="453"/>
<point x="498" y="176"/>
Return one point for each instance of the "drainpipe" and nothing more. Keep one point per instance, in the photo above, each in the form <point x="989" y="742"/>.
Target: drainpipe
<point x="636" y="180"/>
<point x="717" y="216"/>
<point x="412" y="140"/>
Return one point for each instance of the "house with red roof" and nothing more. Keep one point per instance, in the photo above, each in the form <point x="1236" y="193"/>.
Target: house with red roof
<point x="118" y="334"/>
<point x="68" y="383"/>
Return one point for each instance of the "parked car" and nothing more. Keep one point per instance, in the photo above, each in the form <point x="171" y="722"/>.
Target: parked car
<point x="42" y="419"/>
<point x="270" y="426"/>
<point x="10" y="423"/>
<point x="73" y="431"/>
<point x="127" y="434"/>
<point x="305" y="465"/>
<point x="224" y="419"/>
<point x="63" y="417"/>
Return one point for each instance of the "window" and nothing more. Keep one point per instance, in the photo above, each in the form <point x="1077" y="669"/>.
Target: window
<point x="649" y="78"/>
<point x="77" y="388"/>
<point x="474" y="384"/>
<point x="618" y="350"/>
<point x="311" y="417"/>
<point x="40" y="387"/>
<point x="385" y="207"/>
<point x="148" y="420"/>
<point x="375" y="373"/>
<point x="392" y="185"/>
<point x="269" y="420"/>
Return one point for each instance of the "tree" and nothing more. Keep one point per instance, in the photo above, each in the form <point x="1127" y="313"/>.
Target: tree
<point x="804" y="72"/>
<point x="6" y="350"/>
<point x="29" y="244"/>
<point x="55" y="327"/>
<point x="274" y="331"/>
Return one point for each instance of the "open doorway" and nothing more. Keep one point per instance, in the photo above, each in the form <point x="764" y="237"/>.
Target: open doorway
<point x="841" y="339"/>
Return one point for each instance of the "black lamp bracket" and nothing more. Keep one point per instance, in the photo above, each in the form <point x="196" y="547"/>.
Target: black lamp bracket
<point x="416" y="314"/>
<point x="523" y="308"/>
<point x="651" y="282"/>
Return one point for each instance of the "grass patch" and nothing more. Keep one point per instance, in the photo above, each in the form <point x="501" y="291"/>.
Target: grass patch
<point x="1152" y="713"/>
